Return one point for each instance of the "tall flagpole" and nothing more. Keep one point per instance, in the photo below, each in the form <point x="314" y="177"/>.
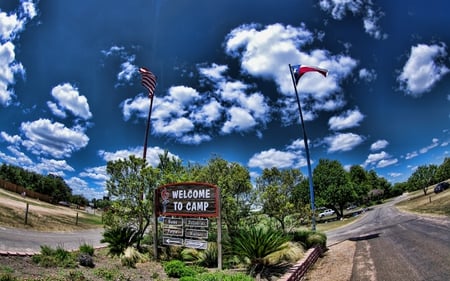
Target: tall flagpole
<point x="144" y="156"/>
<point x="305" y="140"/>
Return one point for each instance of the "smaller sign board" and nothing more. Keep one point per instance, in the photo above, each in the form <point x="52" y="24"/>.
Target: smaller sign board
<point x="167" y="240"/>
<point x="173" y="221"/>
<point x="196" y="233"/>
<point x="191" y="222"/>
<point x="196" y="244"/>
<point x="173" y="231"/>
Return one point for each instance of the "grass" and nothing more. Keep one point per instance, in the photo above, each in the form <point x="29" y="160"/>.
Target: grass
<point x="43" y="216"/>
<point x="431" y="204"/>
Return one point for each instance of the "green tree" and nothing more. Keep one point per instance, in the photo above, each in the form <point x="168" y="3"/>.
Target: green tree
<point x="423" y="177"/>
<point x="332" y="186"/>
<point x="131" y="185"/>
<point x="235" y="187"/>
<point x="276" y="189"/>
<point x="360" y="179"/>
<point x="443" y="172"/>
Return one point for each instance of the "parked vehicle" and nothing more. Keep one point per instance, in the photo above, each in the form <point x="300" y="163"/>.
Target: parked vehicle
<point x="441" y="187"/>
<point x="325" y="213"/>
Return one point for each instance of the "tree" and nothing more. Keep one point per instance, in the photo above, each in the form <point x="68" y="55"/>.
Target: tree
<point x="235" y="187"/>
<point x="443" y="172"/>
<point x="332" y="186"/>
<point x="130" y="186"/>
<point x="276" y="190"/>
<point x="360" y="180"/>
<point x="423" y="177"/>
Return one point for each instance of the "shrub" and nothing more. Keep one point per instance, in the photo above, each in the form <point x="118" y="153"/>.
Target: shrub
<point x="7" y="277"/>
<point x="178" y="269"/>
<point x="87" y="249"/>
<point x="54" y="258"/>
<point x="119" y="238"/>
<point x="309" y="238"/>
<point x="221" y="276"/>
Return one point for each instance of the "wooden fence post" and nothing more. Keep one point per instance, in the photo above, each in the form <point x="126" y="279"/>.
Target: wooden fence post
<point x="26" y="214"/>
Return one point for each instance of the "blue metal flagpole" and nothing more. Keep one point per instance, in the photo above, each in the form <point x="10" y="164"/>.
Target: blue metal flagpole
<point x="305" y="140"/>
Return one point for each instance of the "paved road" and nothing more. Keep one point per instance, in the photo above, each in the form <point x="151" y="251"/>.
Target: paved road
<point x="391" y="246"/>
<point x="27" y="241"/>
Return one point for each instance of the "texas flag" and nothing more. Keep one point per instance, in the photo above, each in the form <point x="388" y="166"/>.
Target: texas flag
<point x="299" y="70"/>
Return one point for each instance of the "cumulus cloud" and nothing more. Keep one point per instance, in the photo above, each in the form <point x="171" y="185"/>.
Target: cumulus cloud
<point x="343" y="142"/>
<point x="68" y="98"/>
<point x="380" y="160"/>
<point x="423" y="70"/>
<point x="368" y="75"/>
<point x="273" y="158"/>
<point x="370" y="15"/>
<point x="266" y="52"/>
<point x="348" y="119"/>
<point x="379" y="144"/>
<point x="152" y="156"/>
<point x="11" y="25"/>
<point x="44" y="137"/>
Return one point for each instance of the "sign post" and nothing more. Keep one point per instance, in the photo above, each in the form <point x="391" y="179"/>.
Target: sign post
<point x="194" y="201"/>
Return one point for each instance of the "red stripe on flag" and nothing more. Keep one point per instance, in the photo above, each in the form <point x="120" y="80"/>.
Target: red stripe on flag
<point x="299" y="70"/>
<point x="148" y="80"/>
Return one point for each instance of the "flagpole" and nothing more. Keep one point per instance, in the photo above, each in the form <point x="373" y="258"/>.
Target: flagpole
<point x="305" y="140"/>
<point x="144" y="156"/>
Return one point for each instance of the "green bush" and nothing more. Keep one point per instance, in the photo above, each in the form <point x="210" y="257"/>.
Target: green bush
<point x="7" y="277"/>
<point x="86" y="249"/>
<point x="309" y="238"/>
<point x="55" y="258"/>
<point x="119" y="238"/>
<point x="178" y="269"/>
<point x="221" y="276"/>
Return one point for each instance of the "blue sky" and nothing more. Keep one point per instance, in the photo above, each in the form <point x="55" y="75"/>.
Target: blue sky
<point x="71" y="98"/>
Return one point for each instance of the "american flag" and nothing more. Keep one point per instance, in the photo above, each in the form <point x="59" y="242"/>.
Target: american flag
<point x="299" y="70"/>
<point x="148" y="80"/>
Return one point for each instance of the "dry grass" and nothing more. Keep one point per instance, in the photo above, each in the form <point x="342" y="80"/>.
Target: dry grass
<point x="43" y="216"/>
<point x="430" y="204"/>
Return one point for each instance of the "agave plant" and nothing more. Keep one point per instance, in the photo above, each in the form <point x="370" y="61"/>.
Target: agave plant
<point x="119" y="238"/>
<point x="256" y="244"/>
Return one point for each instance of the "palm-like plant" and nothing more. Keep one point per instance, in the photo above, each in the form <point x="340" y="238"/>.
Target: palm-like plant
<point x="256" y="244"/>
<point x="119" y="238"/>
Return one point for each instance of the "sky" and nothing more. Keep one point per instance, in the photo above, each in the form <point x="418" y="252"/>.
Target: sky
<point x="71" y="97"/>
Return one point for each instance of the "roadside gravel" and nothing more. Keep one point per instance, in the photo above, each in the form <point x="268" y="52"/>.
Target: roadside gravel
<point x="335" y="265"/>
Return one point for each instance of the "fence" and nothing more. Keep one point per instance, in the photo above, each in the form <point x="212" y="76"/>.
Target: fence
<point x="22" y="190"/>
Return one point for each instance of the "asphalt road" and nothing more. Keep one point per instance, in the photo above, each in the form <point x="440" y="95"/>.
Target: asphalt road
<point x="392" y="246"/>
<point x="28" y="242"/>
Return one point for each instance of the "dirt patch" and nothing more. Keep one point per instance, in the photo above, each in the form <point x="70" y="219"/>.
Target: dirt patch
<point x="106" y="268"/>
<point x="335" y="265"/>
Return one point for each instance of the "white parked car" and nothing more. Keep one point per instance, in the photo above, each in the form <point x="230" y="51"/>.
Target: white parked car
<point x="327" y="212"/>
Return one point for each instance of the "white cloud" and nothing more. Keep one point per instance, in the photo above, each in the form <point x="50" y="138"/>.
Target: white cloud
<point x="11" y="139"/>
<point x="52" y="138"/>
<point x="10" y="27"/>
<point x="127" y="71"/>
<point x="239" y="120"/>
<point x="343" y="142"/>
<point x="273" y="158"/>
<point x="422" y="70"/>
<point x="435" y="143"/>
<point x="152" y="156"/>
<point x="379" y="144"/>
<point x="380" y="160"/>
<point x="8" y="68"/>
<point x="370" y="15"/>
<point x="267" y="51"/>
<point x="349" y="119"/>
<point x="368" y="75"/>
<point x="68" y="98"/>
